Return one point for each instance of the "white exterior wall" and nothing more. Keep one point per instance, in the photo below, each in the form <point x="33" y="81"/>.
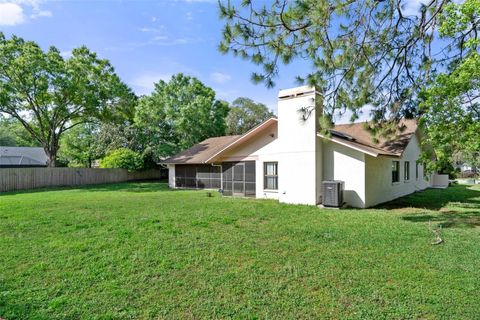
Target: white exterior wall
<point x="171" y="176"/>
<point x="379" y="176"/>
<point x="305" y="160"/>
<point x="299" y="158"/>
<point x="348" y="165"/>
<point x="262" y="149"/>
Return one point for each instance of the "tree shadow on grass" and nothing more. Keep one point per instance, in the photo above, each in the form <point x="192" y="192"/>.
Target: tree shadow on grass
<point x="449" y="219"/>
<point x="145" y="186"/>
<point x="436" y="199"/>
<point x="137" y="186"/>
<point x="454" y="207"/>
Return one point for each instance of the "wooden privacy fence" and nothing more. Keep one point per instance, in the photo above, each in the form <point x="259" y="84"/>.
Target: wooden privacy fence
<point x="13" y="179"/>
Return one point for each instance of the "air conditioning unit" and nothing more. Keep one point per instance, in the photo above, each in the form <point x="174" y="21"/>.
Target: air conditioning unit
<point x="332" y="193"/>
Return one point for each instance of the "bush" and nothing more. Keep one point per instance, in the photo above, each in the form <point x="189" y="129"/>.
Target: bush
<point x="123" y="158"/>
<point x="468" y="174"/>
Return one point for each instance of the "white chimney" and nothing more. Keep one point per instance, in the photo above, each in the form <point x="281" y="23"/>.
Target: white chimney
<point x="300" y="159"/>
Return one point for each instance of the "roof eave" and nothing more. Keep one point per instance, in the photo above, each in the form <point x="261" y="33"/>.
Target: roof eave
<point x="373" y="154"/>
<point x="242" y="138"/>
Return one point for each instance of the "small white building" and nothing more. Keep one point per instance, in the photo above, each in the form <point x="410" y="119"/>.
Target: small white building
<point x="286" y="158"/>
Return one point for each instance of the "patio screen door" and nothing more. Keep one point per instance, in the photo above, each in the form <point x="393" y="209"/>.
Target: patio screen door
<point x="239" y="178"/>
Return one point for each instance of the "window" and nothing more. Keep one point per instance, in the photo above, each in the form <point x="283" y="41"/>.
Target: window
<point x="395" y="171"/>
<point x="416" y="170"/>
<point x="270" y="170"/>
<point x="406" y="171"/>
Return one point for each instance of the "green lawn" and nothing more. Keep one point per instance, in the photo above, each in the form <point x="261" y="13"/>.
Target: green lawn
<point x="141" y="251"/>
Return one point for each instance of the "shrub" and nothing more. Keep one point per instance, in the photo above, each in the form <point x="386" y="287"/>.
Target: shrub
<point x="123" y="158"/>
<point x="468" y="174"/>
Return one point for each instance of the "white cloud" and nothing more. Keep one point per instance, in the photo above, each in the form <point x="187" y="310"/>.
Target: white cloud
<point x="181" y="41"/>
<point x="189" y="16"/>
<point x="166" y="41"/>
<point x="40" y="13"/>
<point x="159" y="29"/>
<point x="14" y="12"/>
<point x="66" y="54"/>
<point x="220" y="77"/>
<point x="11" y="14"/>
<point x="145" y="83"/>
<point x="160" y="38"/>
<point x="412" y="7"/>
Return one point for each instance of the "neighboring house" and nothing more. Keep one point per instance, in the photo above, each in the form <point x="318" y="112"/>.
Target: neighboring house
<point x="287" y="159"/>
<point x="463" y="166"/>
<point x="15" y="157"/>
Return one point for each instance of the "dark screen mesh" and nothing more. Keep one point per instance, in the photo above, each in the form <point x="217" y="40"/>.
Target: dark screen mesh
<point x="197" y="176"/>
<point x="250" y="171"/>
<point x="239" y="178"/>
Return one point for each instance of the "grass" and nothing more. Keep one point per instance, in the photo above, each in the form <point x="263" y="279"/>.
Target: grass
<point x="141" y="251"/>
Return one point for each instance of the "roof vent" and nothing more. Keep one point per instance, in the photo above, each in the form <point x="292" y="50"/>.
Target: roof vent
<point x="342" y="135"/>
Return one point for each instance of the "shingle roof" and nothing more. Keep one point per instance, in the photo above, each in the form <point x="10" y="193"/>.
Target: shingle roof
<point x="208" y="150"/>
<point x="363" y="140"/>
<point x="355" y="136"/>
<point x="22" y="156"/>
<point x="202" y="151"/>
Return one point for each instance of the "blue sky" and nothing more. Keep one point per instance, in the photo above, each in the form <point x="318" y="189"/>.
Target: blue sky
<point x="144" y="40"/>
<point x="148" y="40"/>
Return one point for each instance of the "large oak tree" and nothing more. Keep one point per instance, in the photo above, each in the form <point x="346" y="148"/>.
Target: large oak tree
<point x="244" y="114"/>
<point x="49" y="94"/>
<point x="180" y="113"/>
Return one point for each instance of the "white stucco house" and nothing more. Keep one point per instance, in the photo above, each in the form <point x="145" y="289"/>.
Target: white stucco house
<point x="286" y="158"/>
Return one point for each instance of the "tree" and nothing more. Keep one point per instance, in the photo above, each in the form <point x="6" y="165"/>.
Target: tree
<point x="115" y="135"/>
<point x="245" y="114"/>
<point x="123" y="158"/>
<point x="49" y="95"/>
<point x="450" y="104"/>
<point x="79" y="145"/>
<point x="112" y="136"/>
<point x="180" y="113"/>
<point x="13" y="134"/>
<point x="361" y="52"/>
<point x="6" y="138"/>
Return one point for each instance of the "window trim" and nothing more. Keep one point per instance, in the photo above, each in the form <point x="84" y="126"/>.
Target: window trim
<point x="265" y="176"/>
<point x="406" y="171"/>
<point x="396" y="164"/>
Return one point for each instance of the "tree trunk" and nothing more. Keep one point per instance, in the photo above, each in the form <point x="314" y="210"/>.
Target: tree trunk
<point x="52" y="160"/>
<point x="51" y="156"/>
